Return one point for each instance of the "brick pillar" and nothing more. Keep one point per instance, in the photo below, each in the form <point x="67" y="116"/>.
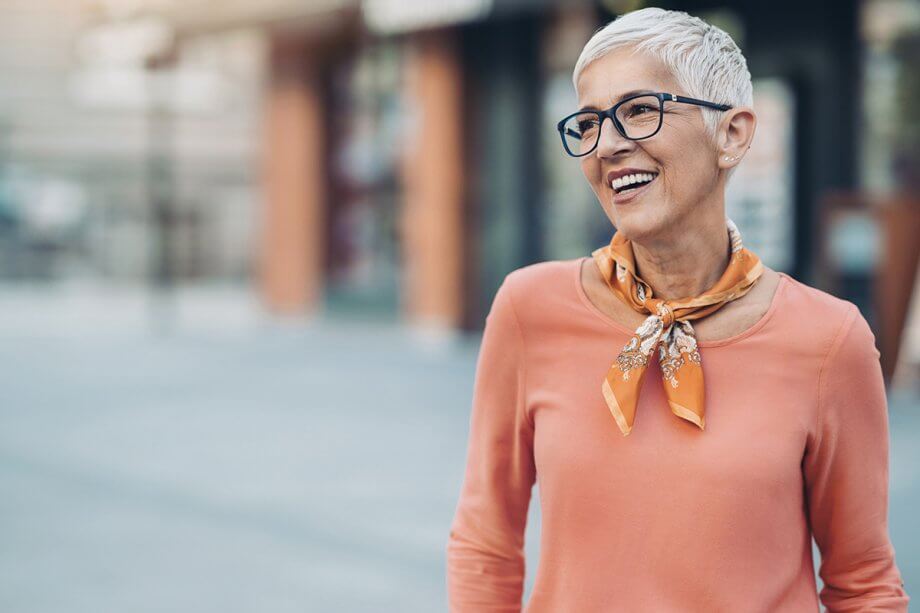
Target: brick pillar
<point x="899" y="218"/>
<point x="294" y="179"/>
<point x="434" y="179"/>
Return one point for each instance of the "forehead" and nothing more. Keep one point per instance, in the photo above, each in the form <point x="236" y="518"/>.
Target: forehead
<point x="606" y="79"/>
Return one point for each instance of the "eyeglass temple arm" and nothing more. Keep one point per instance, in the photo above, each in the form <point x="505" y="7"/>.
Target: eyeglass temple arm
<point x="721" y="107"/>
<point x="570" y="132"/>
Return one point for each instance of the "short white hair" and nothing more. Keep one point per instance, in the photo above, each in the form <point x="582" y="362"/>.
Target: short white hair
<point x="702" y="58"/>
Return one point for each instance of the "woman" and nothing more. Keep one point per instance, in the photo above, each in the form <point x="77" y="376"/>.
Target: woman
<point x="673" y="491"/>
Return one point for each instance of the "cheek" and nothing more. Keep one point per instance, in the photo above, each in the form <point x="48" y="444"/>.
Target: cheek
<point x="689" y="178"/>
<point x="685" y="168"/>
<point x="591" y="169"/>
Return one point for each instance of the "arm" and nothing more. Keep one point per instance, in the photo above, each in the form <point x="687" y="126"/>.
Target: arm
<point x="485" y="551"/>
<point x="846" y="477"/>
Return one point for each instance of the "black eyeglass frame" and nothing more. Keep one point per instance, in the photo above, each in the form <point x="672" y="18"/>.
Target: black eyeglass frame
<point x="611" y="113"/>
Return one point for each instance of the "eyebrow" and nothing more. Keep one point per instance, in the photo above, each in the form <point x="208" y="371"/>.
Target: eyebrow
<point x="623" y="95"/>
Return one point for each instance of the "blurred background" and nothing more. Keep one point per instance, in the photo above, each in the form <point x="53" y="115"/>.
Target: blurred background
<point x="247" y="248"/>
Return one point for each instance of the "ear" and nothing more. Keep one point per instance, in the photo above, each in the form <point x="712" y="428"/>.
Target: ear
<point x="736" y="131"/>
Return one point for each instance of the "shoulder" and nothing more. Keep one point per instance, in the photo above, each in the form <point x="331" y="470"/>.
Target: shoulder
<point x="539" y="275"/>
<point x="527" y="298"/>
<point x="833" y="325"/>
<point x="521" y="286"/>
<point x="544" y="294"/>
<point x="542" y="285"/>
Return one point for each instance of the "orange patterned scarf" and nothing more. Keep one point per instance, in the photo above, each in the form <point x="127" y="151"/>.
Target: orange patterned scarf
<point x="667" y="327"/>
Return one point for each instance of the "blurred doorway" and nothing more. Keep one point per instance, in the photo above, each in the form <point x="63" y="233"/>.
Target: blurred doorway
<point x="365" y="126"/>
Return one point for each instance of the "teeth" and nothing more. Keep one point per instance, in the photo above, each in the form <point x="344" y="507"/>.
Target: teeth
<point x="621" y="182"/>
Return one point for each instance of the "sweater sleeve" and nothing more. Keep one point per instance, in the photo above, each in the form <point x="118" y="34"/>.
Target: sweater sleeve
<point x="846" y="477"/>
<point x="485" y="550"/>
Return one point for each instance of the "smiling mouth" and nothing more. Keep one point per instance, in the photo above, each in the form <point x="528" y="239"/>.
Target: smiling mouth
<point x="635" y="185"/>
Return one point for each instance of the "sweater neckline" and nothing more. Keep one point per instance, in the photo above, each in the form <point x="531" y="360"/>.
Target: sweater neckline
<point x="774" y="302"/>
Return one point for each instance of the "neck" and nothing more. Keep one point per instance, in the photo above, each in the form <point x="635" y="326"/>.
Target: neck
<point x="687" y="262"/>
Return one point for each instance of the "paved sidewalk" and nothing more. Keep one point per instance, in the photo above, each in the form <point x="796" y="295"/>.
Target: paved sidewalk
<point x="231" y="463"/>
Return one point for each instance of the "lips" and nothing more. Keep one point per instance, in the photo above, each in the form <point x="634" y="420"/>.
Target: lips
<point x="622" y="172"/>
<point x="643" y="180"/>
<point x="632" y="194"/>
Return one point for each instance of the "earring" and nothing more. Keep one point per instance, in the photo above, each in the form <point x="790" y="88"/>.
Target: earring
<point x="729" y="159"/>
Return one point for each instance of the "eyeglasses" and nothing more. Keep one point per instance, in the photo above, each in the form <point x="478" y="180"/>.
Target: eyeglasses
<point x="636" y="118"/>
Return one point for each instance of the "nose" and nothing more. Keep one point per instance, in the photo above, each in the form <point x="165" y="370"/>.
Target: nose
<point x="611" y="141"/>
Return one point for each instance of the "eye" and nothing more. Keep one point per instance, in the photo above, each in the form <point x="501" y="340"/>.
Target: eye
<point x="584" y="125"/>
<point x="640" y="109"/>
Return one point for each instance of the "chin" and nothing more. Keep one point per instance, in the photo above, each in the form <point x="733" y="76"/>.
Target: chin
<point x="636" y="224"/>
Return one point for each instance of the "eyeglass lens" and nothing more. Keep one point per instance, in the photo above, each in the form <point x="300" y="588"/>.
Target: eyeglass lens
<point x="640" y="118"/>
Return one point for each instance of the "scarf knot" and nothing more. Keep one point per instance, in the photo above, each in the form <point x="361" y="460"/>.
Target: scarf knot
<point x="666" y="313"/>
<point x="668" y="328"/>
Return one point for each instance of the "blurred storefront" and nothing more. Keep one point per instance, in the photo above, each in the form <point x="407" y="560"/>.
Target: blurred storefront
<point x="481" y="187"/>
<point x="403" y="155"/>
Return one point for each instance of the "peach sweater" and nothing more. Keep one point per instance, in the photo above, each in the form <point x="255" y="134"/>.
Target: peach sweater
<point x="671" y="518"/>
